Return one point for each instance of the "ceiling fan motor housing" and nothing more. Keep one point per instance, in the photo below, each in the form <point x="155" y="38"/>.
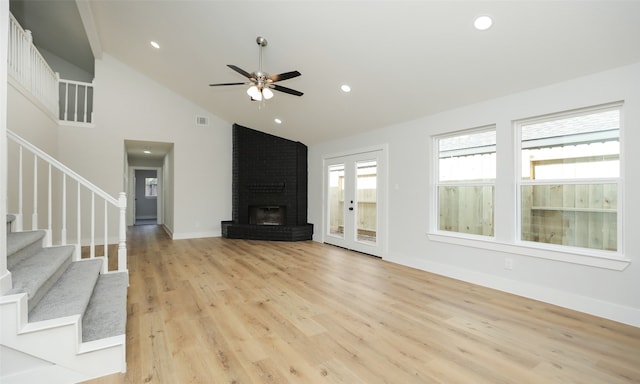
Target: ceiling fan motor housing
<point x="261" y="41"/>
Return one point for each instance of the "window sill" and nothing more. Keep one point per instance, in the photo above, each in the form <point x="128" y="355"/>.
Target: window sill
<point x="567" y="256"/>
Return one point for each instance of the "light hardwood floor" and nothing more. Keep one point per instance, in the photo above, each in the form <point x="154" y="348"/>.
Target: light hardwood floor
<point x="234" y="311"/>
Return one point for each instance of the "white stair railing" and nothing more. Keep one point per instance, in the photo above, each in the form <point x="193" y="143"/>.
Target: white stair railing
<point x="28" y="67"/>
<point x="77" y="103"/>
<point x="56" y="187"/>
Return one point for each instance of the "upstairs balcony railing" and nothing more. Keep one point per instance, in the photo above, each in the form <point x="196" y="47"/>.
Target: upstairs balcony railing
<point x="76" y="101"/>
<point x="71" y="101"/>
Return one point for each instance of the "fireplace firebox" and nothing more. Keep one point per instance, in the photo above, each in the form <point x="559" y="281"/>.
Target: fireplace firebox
<point x="269" y="188"/>
<point x="267" y="215"/>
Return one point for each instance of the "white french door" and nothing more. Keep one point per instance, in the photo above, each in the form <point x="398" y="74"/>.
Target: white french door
<point x="354" y="216"/>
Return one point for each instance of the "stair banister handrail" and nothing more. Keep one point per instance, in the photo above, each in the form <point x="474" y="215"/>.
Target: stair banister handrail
<point x="120" y="202"/>
<point x="63" y="168"/>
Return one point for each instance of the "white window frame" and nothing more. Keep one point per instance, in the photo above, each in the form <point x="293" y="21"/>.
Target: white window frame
<point x="507" y="242"/>
<point x="435" y="227"/>
<point x="590" y="252"/>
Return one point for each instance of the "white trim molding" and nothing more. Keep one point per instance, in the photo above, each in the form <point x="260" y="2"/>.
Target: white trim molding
<point x="598" y="261"/>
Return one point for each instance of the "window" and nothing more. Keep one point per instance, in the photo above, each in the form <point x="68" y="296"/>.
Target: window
<point x="569" y="179"/>
<point x="150" y="187"/>
<point x="465" y="185"/>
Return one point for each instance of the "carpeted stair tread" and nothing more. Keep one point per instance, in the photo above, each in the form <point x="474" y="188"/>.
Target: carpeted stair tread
<point x="70" y="295"/>
<point x="35" y="275"/>
<point x="106" y="314"/>
<point x="21" y="245"/>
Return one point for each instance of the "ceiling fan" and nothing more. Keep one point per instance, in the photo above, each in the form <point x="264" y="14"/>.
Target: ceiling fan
<point x="261" y="82"/>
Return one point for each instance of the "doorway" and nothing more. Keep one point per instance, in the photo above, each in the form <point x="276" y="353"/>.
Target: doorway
<point x="354" y="201"/>
<point x="146" y="197"/>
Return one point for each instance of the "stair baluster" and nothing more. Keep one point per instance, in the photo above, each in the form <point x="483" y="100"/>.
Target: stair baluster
<point x="58" y="220"/>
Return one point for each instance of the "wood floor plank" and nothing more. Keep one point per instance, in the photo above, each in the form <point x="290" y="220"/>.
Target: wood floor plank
<point x="340" y="373"/>
<point x="243" y="311"/>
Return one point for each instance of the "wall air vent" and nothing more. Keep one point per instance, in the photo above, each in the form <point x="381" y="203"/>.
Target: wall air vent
<point x="202" y="121"/>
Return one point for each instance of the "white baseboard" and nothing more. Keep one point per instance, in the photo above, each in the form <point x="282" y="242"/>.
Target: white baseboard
<point x="167" y="230"/>
<point x="604" y="309"/>
<point x="193" y="235"/>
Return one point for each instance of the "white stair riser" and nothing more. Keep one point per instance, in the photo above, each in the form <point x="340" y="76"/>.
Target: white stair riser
<point x="58" y="341"/>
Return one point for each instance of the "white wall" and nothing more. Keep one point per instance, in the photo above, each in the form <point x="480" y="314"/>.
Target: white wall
<point x="603" y="292"/>
<point x="67" y="70"/>
<point x="5" y="276"/>
<point x="30" y="120"/>
<point x="130" y="106"/>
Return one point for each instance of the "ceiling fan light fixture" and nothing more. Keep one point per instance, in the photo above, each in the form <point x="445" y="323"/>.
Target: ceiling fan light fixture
<point x="254" y="93"/>
<point x="267" y="93"/>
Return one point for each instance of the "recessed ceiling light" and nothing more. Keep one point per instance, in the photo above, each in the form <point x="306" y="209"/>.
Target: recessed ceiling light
<point x="147" y="152"/>
<point x="278" y="121"/>
<point x="345" y="88"/>
<point x="155" y="45"/>
<point x="482" y="23"/>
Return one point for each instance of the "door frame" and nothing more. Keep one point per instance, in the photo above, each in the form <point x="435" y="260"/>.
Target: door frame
<point x="131" y="194"/>
<point x="382" y="192"/>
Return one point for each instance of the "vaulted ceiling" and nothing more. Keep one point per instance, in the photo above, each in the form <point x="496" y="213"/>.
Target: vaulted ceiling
<point x="402" y="59"/>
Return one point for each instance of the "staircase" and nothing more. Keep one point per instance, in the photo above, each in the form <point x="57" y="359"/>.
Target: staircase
<point x="62" y="315"/>
<point x="64" y="320"/>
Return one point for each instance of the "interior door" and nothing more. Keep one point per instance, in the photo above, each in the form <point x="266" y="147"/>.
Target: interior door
<point x="146" y="195"/>
<point x="353" y="206"/>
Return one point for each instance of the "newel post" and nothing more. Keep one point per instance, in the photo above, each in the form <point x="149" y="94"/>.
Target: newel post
<point x="122" y="232"/>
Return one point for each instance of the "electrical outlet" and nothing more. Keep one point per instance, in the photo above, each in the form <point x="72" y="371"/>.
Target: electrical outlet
<point x="508" y="263"/>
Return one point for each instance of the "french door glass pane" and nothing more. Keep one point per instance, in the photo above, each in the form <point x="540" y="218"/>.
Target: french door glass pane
<point x="366" y="186"/>
<point x="336" y="200"/>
